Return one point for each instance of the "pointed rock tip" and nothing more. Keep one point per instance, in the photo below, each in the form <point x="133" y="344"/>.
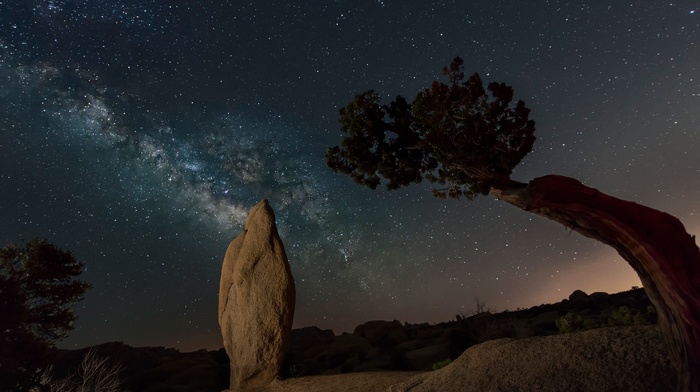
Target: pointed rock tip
<point x="264" y="203"/>
<point x="263" y="207"/>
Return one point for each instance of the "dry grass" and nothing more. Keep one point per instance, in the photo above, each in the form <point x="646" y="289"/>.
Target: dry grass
<point x="96" y="374"/>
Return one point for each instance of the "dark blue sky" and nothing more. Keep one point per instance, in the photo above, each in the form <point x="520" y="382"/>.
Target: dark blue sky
<point x="138" y="134"/>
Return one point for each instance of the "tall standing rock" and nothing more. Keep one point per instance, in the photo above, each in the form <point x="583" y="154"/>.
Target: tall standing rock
<point x="256" y="301"/>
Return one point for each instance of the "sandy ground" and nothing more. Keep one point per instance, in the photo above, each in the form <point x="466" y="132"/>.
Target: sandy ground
<point x="355" y="382"/>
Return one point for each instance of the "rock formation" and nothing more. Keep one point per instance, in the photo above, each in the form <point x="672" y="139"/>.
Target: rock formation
<point x="605" y="359"/>
<point x="382" y="333"/>
<point x="256" y="302"/>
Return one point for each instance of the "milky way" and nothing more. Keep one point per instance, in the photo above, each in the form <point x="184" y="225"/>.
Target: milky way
<point x="139" y="134"/>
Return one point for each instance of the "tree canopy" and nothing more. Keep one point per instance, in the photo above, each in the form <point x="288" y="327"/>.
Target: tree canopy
<point x="37" y="291"/>
<point x="458" y="135"/>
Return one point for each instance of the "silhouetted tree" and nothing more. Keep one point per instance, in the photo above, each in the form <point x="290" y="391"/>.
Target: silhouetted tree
<point x="37" y="291"/>
<point x="467" y="140"/>
<point x="456" y="135"/>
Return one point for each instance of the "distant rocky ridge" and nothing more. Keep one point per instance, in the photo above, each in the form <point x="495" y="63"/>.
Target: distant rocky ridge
<point x="616" y="359"/>
<point x="390" y="345"/>
<point x="374" y="346"/>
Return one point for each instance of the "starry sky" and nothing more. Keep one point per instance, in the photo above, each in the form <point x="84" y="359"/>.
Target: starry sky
<point x="138" y="135"/>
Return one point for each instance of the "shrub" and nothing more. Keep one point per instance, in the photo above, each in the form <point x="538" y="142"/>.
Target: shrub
<point x="623" y="315"/>
<point x="96" y="374"/>
<point x="570" y="323"/>
<point x="441" y="364"/>
<point x="626" y="316"/>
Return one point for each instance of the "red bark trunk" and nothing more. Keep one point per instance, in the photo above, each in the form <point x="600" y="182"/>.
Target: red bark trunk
<point x="654" y="243"/>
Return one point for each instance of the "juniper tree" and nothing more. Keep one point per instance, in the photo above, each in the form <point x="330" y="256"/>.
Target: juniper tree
<point x="466" y="140"/>
<point x="37" y="291"/>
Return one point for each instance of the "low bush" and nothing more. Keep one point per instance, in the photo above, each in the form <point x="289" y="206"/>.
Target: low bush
<point x="441" y="364"/>
<point x="96" y="374"/>
<point x="623" y="315"/>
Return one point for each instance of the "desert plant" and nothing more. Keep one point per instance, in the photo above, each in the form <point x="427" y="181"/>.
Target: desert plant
<point x="292" y="367"/>
<point x="486" y="325"/>
<point x="624" y="315"/>
<point x="479" y="307"/>
<point x="572" y="322"/>
<point x="96" y="374"/>
<point x="441" y="364"/>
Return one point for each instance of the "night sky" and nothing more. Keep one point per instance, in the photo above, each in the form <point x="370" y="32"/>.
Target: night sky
<point x="138" y="135"/>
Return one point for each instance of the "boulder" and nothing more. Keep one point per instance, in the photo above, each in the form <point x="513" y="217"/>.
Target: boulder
<point x="424" y="358"/>
<point x="343" y="348"/>
<point x="256" y="302"/>
<point x="306" y="337"/>
<point x="457" y="340"/>
<point x="382" y="333"/>
<point x="598" y="296"/>
<point x="578" y="296"/>
<point x="600" y="360"/>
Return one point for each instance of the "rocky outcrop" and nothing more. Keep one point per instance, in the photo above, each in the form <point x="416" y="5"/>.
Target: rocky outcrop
<point x="382" y="333"/>
<point x="256" y="302"/>
<point x="605" y="359"/>
<point x="578" y="296"/>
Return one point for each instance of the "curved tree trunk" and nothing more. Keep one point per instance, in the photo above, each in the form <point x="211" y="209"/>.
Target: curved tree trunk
<point x="654" y="243"/>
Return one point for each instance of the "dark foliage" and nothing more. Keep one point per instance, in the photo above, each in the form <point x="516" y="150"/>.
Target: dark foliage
<point x="457" y="135"/>
<point x="37" y="290"/>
